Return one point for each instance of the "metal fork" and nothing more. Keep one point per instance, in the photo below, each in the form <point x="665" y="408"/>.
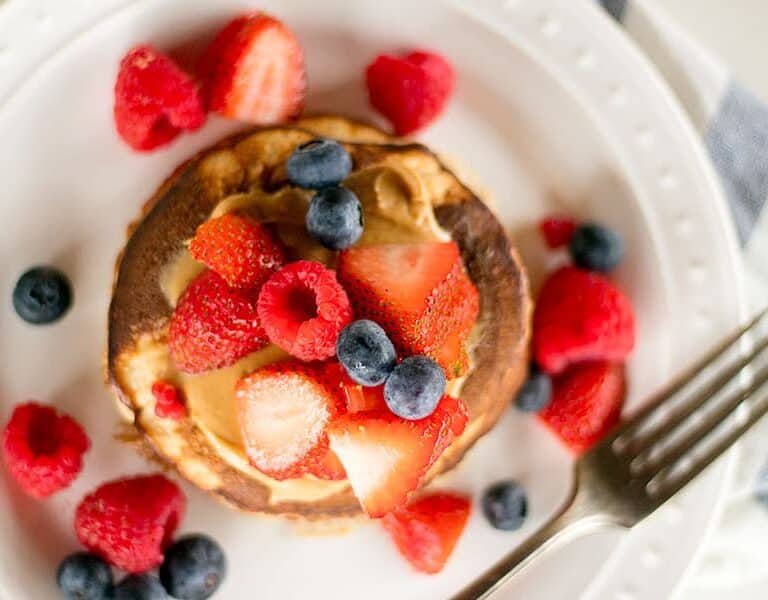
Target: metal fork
<point x="647" y="460"/>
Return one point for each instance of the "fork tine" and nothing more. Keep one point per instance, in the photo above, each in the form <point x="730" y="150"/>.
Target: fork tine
<point x="686" y="376"/>
<point x="724" y="409"/>
<point x="691" y="405"/>
<point x="703" y="461"/>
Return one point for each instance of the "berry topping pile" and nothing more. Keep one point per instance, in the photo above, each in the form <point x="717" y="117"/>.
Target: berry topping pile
<point x="419" y="293"/>
<point x="154" y="100"/>
<point x="303" y="309"/>
<point x="583" y="331"/>
<point x="42" y="295"/>
<point x="129" y="522"/>
<point x="43" y="449"/>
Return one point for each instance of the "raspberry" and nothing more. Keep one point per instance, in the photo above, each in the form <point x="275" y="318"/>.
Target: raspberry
<point x="410" y="91"/>
<point x="168" y="401"/>
<point x="154" y="100"/>
<point x="557" y="231"/>
<point x="129" y="522"/>
<point x="581" y="315"/>
<point x="239" y="249"/>
<point x="303" y="309"/>
<point x="43" y="449"/>
<point x="213" y="325"/>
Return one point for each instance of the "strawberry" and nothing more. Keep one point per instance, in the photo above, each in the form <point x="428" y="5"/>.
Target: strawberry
<point x="213" y="326"/>
<point x="581" y="315"/>
<point x="410" y="91"/>
<point x="284" y="409"/>
<point x="239" y="249"/>
<point x="154" y="100"/>
<point x="358" y="398"/>
<point x="557" y="231"/>
<point x="419" y="293"/>
<point x="586" y="403"/>
<point x="426" y="532"/>
<point x="328" y="467"/>
<point x="254" y="71"/>
<point x="386" y="457"/>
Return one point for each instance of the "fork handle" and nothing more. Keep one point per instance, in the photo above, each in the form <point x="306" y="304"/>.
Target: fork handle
<point x="566" y="524"/>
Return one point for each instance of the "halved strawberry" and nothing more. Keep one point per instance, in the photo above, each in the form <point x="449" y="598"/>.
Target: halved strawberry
<point x="238" y="248"/>
<point x="386" y="457"/>
<point x="419" y="293"/>
<point x="254" y="71"/>
<point x="586" y="403"/>
<point x="284" y="409"/>
<point x="358" y="398"/>
<point x="426" y="532"/>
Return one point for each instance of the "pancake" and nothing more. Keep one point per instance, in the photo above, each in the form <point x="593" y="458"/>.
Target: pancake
<point x="407" y="194"/>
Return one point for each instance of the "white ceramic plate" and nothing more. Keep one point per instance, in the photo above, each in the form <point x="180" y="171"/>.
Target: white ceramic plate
<point x="554" y="111"/>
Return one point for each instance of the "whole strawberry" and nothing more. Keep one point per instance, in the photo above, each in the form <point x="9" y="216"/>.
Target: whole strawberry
<point x="214" y="325"/>
<point x="129" y="522"/>
<point x="43" y="449"/>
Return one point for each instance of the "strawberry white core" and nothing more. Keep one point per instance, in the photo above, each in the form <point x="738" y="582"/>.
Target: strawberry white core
<point x="367" y="465"/>
<point x="282" y="417"/>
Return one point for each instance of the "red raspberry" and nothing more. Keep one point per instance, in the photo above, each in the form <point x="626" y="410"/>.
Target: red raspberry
<point x="303" y="309"/>
<point x="213" y="325"/>
<point x="239" y="249"/>
<point x="43" y="449"/>
<point x="586" y="403"/>
<point x="129" y="522"/>
<point x="168" y="401"/>
<point x="557" y="231"/>
<point x="410" y="91"/>
<point x="154" y="100"/>
<point x="581" y="315"/>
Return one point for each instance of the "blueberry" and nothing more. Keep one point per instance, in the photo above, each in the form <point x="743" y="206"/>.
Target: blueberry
<point x="140" y="587"/>
<point x="505" y="505"/>
<point x="318" y="164"/>
<point x="365" y="352"/>
<point x="42" y="295"/>
<point x="193" y="568"/>
<point x="84" y="576"/>
<point x="536" y="391"/>
<point x="414" y="388"/>
<point x="595" y="247"/>
<point x="335" y="218"/>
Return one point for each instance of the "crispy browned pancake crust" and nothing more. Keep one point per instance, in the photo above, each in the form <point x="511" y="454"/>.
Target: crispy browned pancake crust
<point x="187" y="198"/>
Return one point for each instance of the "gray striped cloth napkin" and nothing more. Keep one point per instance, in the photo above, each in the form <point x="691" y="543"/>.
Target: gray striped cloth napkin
<point x="734" y="127"/>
